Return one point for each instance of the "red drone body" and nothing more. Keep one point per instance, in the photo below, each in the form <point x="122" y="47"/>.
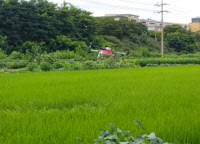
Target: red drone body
<point x="106" y="52"/>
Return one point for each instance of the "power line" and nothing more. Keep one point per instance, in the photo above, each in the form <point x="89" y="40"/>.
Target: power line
<point x="120" y="7"/>
<point x="143" y="3"/>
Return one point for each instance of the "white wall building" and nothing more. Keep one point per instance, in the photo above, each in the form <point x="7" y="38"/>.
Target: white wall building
<point x="154" y="25"/>
<point x="130" y="17"/>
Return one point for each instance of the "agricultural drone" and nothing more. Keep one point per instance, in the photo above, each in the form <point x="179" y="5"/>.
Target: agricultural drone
<point x="103" y="52"/>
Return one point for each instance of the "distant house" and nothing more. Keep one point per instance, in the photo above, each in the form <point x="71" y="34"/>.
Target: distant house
<point x="130" y="17"/>
<point x="195" y="25"/>
<point x="154" y="25"/>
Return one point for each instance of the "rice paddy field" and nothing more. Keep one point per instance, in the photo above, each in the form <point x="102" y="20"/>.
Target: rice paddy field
<point x="56" y="107"/>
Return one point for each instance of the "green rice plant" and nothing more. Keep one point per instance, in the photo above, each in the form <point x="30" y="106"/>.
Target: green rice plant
<point x="57" y="106"/>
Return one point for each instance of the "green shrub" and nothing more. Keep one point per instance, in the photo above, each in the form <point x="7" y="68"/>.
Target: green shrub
<point x="169" y="61"/>
<point x="45" y="66"/>
<point x="125" y="64"/>
<point x="16" y="65"/>
<point x="58" y="65"/>
<point x="155" y="55"/>
<point x="182" y="42"/>
<point x="16" y="55"/>
<point x="144" y="52"/>
<point x="118" y="136"/>
<point x="90" y="65"/>
<point x="2" y="65"/>
<point x="134" y="54"/>
<point x="32" y="66"/>
<point x="2" y="54"/>
<point x="63" y="55"/>
<point x="110" y="64"/>
<point x="77" y="66"/>
<point x="48" y="58"/>
<point x="67" y="66"/>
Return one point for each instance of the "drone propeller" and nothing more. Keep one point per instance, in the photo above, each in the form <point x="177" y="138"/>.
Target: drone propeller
<point x="92" y="50"/>
<point x="123" y="53"/>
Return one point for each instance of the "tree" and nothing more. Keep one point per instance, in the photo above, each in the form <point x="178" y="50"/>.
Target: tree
<point x="181" y="42"/>
<point x="4" y="45"/>
<point x="174" y="28"/>
<point x="40" y="21"/>
<point x="197" y="36"/>
<point x="108" y="26"/>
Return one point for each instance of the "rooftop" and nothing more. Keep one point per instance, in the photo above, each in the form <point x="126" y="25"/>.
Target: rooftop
<point x="123" y="15"/>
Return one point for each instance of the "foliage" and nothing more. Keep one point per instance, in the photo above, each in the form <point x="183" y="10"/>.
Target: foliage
<point x="153" y="45"/>
<point x="157" y="33"/>
<point x="32" y="66"/>
<point x="182" y="42"/>
<point x="16" y="55"/>
<point x="100" y="42"/>
<point x="81" y="49"/>
<point x="45" y="66"/>
<point x="197" y="36"/>
<point x="58" y="65"/>
<point x="48" y="58"/>
<point x="78" y="66"/>
<point x="118" y="136"/>
<point x="174" y="28"/>
<point x="16" y="65"/>
<point x="37" y="26"/>
<point x="2" y="54"/>
<point x="144" y="52"/>
<point x="121" y="45"/>
<point x="90" y="65"/>
<point x="40" y="21"/>
<point x="63" y="55"/>
<point x="120" y="29"/>
<point x="3" y="65"/>
<point x="166" y="61"/>
<point x="4" y="44"/>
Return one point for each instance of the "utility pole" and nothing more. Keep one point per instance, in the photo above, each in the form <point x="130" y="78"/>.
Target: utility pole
<point x="155" y="32"/>
<point x="162" y="25"/>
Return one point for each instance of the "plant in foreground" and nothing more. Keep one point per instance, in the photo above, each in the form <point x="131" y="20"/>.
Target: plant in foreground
<point x="118" y="136"/>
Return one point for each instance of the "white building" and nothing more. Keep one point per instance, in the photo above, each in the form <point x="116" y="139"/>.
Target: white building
<point x="130" y="17"/>
<point x="154" y="25"/>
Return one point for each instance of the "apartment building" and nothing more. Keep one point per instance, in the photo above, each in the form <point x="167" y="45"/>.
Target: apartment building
<point x="195" y="25"/>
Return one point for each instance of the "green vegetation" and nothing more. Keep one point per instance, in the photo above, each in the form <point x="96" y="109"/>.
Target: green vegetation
<point x="56" y="107"/>
<point x="37" y="26"/>
<point x="118" y="136"/>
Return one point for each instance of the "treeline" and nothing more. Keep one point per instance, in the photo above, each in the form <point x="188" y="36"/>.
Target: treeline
<point x="38" y="22"/>
<point x="41" y="26"/>
<point x="38" y="26"/>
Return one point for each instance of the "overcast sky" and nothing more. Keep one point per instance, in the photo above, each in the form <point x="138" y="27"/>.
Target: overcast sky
<point x="181" y="11"/>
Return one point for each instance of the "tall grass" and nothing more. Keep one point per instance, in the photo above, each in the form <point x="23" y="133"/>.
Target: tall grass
<point x="56" y="107"/>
